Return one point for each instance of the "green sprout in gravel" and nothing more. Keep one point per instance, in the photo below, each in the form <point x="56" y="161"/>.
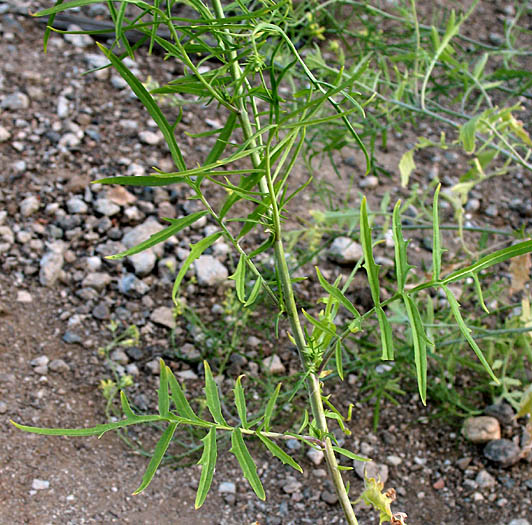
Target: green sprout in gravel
<point x="273" y="96"/>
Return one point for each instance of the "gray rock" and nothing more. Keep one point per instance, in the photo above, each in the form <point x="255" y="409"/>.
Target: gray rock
<point x="15" y="101"/>
<point x="76" y="205"/>
<point x="503" y="412"/>
<point x="150" y="138"/>
<point x="370" y="469"/>
<point x="273" y="365"/>
<point x="101" y="311"/>
<point x="118" y="82"/>
<point x="485" y="480"/>
<point x="71" y="337"/>
<point x="163" y="316"/>
<point x="496" y="39"/>
<point x="135" y="353"/>
<point x="51" y="265"/>
<point x="492" y="211"/>
<point x="329" y="497"/>
<point x="96" y="280"/>
<point x="106" y="207"/>
<point x="293" y="444"/>
<point x="481" y="429"/>
<point x="95" y="60"/>
<point x="291" y="485"/>
<point x="227" y="487"/>
<point x="143" y="262"/>
<point x="316" y="456"/>
<point x="120" y="357"/>
<point x="23" y="237"/>
<point x="29" y="206"/>
<point x="190" y="352"/>
<point x="143" y="232"/>
<point x="519" y="521"/>
<point x="132" y="369"/>
<point x="344" y="250"/>
<point x="154" y="367"/>
<point x="129" y="284"/>
<point x="210" y="271"/>
<point x="58" y="365"/>
<point x="503" y="452"/>
<point x="3" y="407"/>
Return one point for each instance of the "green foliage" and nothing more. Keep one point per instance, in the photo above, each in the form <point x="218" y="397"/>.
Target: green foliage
<point x="280" y="105"/>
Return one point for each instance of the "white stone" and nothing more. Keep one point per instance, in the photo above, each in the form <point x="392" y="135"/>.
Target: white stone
<point x="151" y="138"/>
<point x="273" y="365"/>
<point x="29" y="205"/>
<point x="24" y="297"/>
<point x="369" y="182"/>
<point x="51" y="265"/>
<point x="40" y="484"/>
<point x="4" y="134"/>
<point x="344" y="250"/>
<point x="78" y="40"/>
<point x="315" y="455"/>
<point x="143" y="262"/>
<point x="481" y="429"/>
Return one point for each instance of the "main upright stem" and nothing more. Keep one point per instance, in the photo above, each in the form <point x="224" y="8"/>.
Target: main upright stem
<point x="267" y="188"/>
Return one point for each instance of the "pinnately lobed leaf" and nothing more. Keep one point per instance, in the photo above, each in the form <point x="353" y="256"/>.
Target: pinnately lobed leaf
<point x="239" y="449"/>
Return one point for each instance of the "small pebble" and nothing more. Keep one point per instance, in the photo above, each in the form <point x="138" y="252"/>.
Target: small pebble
<point x="227" y="487"/>
<point x="344" y="250"/>
<point x="210" y="271"/>
<point x="273" y="365"/>
<point x="58" y="365"/>
<point x="40" y="484"/>
<point x="154" y="367"/>
<point x="503" y="452"/>
<point x="316" y="456"/>
<point x="481" y="429"/>
<point x="24" y="297"/>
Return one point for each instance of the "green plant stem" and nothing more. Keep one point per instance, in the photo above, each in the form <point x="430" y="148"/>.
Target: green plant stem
<point x="313" y="383"/>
